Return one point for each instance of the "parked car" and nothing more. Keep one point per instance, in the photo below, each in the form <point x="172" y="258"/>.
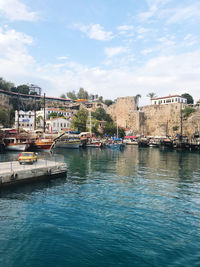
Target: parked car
<point x="27" y="157"/>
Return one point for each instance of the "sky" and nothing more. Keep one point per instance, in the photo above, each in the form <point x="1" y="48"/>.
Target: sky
<point x="113" y="48"/>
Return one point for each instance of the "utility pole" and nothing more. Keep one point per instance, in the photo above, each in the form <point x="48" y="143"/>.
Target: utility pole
<point x="44" y="114"/>
<point x="181" y="120"/>
<point x="18" y="112"/>
<point x="35" y="114"/>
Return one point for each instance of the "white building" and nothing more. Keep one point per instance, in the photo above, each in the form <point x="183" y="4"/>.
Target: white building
<point x="59" y="112"/>
<point x="26" y="119"/>
<point x="171" y="99"/>
<point x="57" y="125"/>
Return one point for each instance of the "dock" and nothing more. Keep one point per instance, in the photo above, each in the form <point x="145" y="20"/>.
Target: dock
<point x="12" y="173"/>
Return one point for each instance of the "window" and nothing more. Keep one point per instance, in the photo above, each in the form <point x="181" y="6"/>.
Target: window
<point x="27" y="124"/>
<point x="22" y="116"/>
<point x="29" y="116"/>
<point x="154" y="102"/>
<point x="176" y="99"/>
<point x="54" y="124"/>
<point x="164" y="101"/>
<point x="64" y="124"/>
<point x="172" y="100"/>
<point x="61" y="124"/>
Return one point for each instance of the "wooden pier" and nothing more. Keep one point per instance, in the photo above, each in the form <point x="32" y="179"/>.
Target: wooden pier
<point x="12" y="173"/>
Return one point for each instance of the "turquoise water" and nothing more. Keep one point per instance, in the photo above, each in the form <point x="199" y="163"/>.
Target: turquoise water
<point x="137" y="207"/>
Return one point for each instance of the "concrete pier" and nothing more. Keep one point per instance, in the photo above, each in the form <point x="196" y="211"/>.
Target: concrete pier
<point x="12" y="173"/>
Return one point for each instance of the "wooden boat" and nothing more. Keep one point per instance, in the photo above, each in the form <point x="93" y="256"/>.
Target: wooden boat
<point x="15" y="144"/>
<point x="42" y="144"/>
<point x="94" y="143"/>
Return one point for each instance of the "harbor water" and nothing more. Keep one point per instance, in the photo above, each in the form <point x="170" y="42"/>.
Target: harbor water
<point x="136" y="207"/>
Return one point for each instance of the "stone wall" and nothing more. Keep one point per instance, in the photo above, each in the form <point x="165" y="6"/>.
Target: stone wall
<point x="122" y="109"/>
<point x="154" y="120"/>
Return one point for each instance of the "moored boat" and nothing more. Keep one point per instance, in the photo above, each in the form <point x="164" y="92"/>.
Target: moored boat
<point x="15" y="144"/>
<point x="42" y="145"/>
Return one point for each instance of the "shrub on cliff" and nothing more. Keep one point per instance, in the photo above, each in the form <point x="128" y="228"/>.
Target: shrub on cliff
<point x="188" y="111"/>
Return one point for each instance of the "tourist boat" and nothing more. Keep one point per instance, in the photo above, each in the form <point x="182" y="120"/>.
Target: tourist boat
<point x="131" y="140"/>
<point x="143" y="142"/>
<point x="115" y="145"/>
<point x="42" y="144"/>
<point x="67" y="142"/>
<point x="94" y="143"/>
<point x="153" y="142"/>
<point x="15" y="144"/>
<point x="167" y="142"/>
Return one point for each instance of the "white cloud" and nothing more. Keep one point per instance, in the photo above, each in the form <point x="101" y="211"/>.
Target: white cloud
<point x="162" y="75"/>
<point x="95" y="31"/>
<point x="62" y="58"/>
<point x="16" y="10"/>
<point x="147" y="51"/>
<point x="180" y="14"/>
<point x="124" y="29"/>
<point x="114" y="51"/>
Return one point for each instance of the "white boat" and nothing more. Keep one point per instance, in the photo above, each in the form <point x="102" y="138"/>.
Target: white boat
<point x="15" y="144"/>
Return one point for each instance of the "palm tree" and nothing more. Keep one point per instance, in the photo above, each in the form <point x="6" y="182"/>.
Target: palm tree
<point x="137" y="100"/>
<point x="151" y="95"/>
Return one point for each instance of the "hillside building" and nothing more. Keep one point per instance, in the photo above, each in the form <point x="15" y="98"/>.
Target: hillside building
<point x="171" y="99"/>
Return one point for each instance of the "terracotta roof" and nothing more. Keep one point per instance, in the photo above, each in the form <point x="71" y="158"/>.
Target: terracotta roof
<point x="169" y="96"/>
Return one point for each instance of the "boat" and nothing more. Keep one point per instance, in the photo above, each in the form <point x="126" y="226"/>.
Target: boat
<point x="94" y="143"/>
<point x="67" y="142"/>
<point x="153" y="142"/>
<point x="115" y="145"/>
<point x="131" y="140"/>
<point x="42" y="144"/>
<point x="15" y="144"/>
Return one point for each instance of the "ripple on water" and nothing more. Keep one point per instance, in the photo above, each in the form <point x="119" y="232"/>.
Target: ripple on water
<point x="138" y="207"/>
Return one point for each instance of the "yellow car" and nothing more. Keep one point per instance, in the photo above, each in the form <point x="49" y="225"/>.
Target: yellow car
<point x="27" y="157"/>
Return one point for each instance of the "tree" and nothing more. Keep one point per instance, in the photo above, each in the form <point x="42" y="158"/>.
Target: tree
<point x="4" y="85"/>
<point x="3" y="117"/>
<point x="62" y="96"/>
<point x="82" y="94"/>
<point x="137" y="100"/>
<point x="72" y="95"/>
<point x="151" y="95"/>
<point x="101" y="115"/>
<point x="108" y="102"/>
<point x="23" y="89"/>
<point x="189" y="98"/>
<point x="79" y="121"/>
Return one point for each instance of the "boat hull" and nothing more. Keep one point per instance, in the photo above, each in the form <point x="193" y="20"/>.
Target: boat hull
<point x="17" y="147"/>
<point x="75" y="145"/>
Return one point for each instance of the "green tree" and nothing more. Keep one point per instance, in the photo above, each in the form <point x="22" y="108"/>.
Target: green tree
<point x="4" y="85"/>
<point x="72" y="95"/>
<point x="23" y="89"/>
<point x="79" y="121"/>
<point x="189" y="98"/>
<point x="108" y="102"/>
<point x="4" y="117"/>
<point x="62" y="96"/>
<point x="151" y="95"/>
<point x="82" y="94"/>
<point x="101" y="115"/>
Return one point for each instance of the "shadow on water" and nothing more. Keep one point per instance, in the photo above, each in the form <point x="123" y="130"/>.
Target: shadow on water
<point x="14" y="192"/>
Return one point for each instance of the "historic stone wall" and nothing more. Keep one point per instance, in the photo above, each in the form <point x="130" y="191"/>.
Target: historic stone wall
<point x="155" y="120"/>
<point x="122" y="109"/>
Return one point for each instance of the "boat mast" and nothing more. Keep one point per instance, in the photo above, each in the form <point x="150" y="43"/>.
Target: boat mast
<point x="117" y="130"/>
<point x="44" y="114"/>
<point x="90" y="123"/>
<point x="18" y="112"/>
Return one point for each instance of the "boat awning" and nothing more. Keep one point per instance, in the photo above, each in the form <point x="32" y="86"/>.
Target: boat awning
<point x="127" y="136"/>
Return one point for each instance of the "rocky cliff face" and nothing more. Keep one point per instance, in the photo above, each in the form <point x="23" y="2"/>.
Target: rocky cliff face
<point x="153" y="120"/>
